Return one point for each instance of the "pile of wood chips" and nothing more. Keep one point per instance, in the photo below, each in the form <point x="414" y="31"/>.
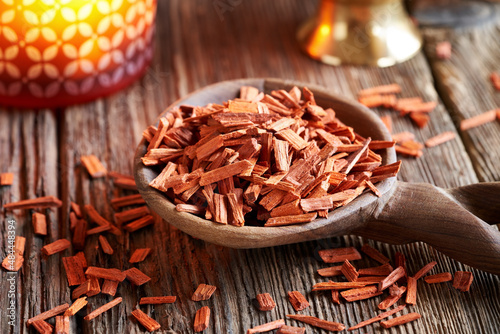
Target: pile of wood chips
<point x="278" y="158"/>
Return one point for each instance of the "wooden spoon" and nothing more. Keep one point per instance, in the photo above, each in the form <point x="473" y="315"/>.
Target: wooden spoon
<point x="454" y="221"/>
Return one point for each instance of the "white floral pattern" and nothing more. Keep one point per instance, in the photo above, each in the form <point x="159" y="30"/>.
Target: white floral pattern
<point x="51" y="49"/>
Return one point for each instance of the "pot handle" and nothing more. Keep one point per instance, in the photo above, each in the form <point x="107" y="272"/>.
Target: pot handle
<point x="455" y="221"/>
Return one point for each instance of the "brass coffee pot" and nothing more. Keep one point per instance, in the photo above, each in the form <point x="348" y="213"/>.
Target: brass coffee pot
<point x="360" y="32"/>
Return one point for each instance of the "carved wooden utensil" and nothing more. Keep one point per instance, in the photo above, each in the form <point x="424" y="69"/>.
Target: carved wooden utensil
<point x="454" y="221"/>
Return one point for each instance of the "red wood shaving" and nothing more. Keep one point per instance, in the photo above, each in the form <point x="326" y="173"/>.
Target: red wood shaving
<point x="291" y="330"/>
<point x="424" y="270"/>
<point x="203" y="292"/>
<point x="48" y="314"/>
<point x="6" y="179"/>
<point x="462" y="280"/>
<point x="440" y="139"/>
<point x="349" y="271"/>
<point x="36" y="203"/>
<point x="316" y="322"/>
<point x="202" y="318"/>
<point x="361" y="293"/>
<point x="76" y="306"/>
<point x="298" y="301"/>
<point x="136" y="277"/>
<point x="259" y="156"/>
<point x="495" y="80"/>
<point x="149" y="323"/>
<point x="443" y="50"/>
<point x="158" y="300"/>
<point x="266" y="302"/>
<point x="392" y="278"/>
<point x="411" y="291"/>
<point x="438" y="278"/>
<point x="339" y="254"/>
<point x="400" y="320"/>
<point x="266" y="327"/>
<point x="374" y="254"/>
<point x="103" y="309"/>
<point x="139" y="255"/>
<point x="56" y="247"/>
<point x="93" y="166"/>
<point x="478" y="120"/>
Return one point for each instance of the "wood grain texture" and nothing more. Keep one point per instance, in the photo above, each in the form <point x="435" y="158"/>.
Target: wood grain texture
<point x="196" y="46"/>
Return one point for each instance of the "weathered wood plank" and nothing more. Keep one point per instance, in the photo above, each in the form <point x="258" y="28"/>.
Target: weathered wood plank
<point x="464" y="84"/>
<point x="197" y="46"/>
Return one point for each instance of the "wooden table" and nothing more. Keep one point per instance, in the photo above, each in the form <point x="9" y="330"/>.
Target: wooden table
<point x="198" y="45"/>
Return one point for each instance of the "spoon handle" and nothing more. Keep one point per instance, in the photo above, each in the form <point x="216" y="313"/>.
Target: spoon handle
<point x="451" y="221"/>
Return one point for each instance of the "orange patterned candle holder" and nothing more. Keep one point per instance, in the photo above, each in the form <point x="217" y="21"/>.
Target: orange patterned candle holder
<point x="59" y="52"/>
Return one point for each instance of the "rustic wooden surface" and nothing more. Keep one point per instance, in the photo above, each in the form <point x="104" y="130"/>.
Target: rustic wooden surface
<point x="196" y="46"/>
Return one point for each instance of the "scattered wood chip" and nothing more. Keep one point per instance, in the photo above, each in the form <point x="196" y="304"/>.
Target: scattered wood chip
<point x="267" y="327"/>
<point x="149" y="323"/>
<point x="495" y="80"/>
<point x="266" y="302"/>
<point x="158" y="300"/>
<point x="411" y="291"/>
<point x="76" y="306"/>
<point x="440" y="139"/>
<point x="103" y="309"/>
<point x="139" y="255"/>
<point x="74" y="270"/>
<point x="201" y="319"/>
<point x="443" y="50"/>
<point x="478" y="120"/>
<point x="109" y="287"/>
<point x="285" y="329"/>
<point x="6" y="179"/>
<point x="43" y="327"/>
<point x="330" y="271"/>
<point x="462" y="280"/>
<point x="56" y="247"/>
<point x="36" y="203"/>
<point x="339" y="254"/>
<point x="39" y="223"/>
<point x="383" y="89"/>
<point x="140" y="223"/>
<point x="48" y="314"/>
<point x="361" y="293"/>
<point x="316" y="322"/>
<point x="105" y="246"/>
<point x="404" y="319"/>
<point x="93" y="166"/>
<point x="374" y="254"/>
<point x="298" y="301"/>
<point x="62" y="325"/>
<point x="131" y="214"/>
<point x="349" y="271"/>
<point x="392" y="278"/>
<point x="383" y="270"/>
<point x="136" y="277"/>
<point x="14" y="261"/>
<point x="438" y="278"/>
<point x="337" y="285"/>
<point x="111" y="274"/>
<point x="203" y="292"/>
<point x="424" y="270"/>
